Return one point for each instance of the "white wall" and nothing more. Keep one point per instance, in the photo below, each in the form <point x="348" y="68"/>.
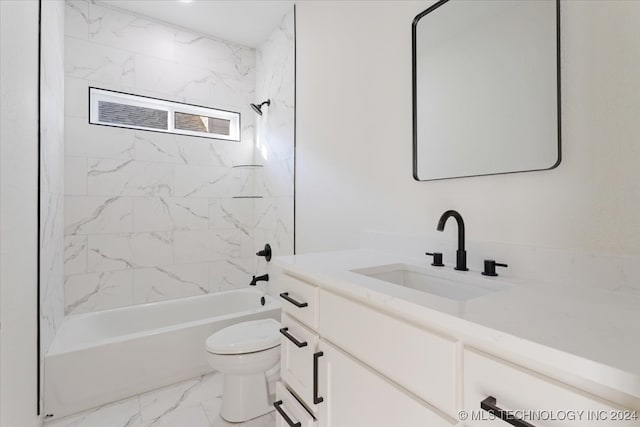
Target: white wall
<point x="354" y="136"/>
<point x="18" y="212"/>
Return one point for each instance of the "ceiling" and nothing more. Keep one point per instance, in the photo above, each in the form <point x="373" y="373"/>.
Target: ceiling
<point x="247" y="22"/>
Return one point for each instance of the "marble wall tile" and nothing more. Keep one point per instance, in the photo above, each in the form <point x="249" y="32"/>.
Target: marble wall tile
<point x="75" y="254"/>
<point x="197" y="50"/>
<point x="231" y="273"/>
<point x="275" y="179"/>
<point x="205" y="245"/>
<point x="98" y="291"/>
<point x="157" y="147"/>
<point x="75" y="176"/>
<point x="77" y="19"/>
<point x="247" y="178"/>
<point x="83" y="60"/>
<point x="247" y="244"/>
<point x="152" y="249"/>
<point x="121" y="29"/>
<point x="196" y="181"/>
<point x="51" y="266"/>
<point x="76" y="96"/>
<point x="90" y="215"/>
<point x="85" y="140"/>
<point x="265" y="213"/>
<point x="223" y="153"/>
<point x="229" y="213"/>
<point x="173" y="213"/>
<point x="169" y="282"/>
<point x="181" y="150"/>
<point x="189" y="213"/>
<point x="129" y="178"/>
<point x="179" y="81"/>
<point x="196" y="151"/>
<point x="152" y="214"/>
<point x="108" y="252"/>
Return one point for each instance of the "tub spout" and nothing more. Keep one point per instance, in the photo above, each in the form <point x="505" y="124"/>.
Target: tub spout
<point x="255" y="280"/>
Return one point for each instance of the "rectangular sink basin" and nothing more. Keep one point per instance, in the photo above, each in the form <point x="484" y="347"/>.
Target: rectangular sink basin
<point x="420" y="279"/>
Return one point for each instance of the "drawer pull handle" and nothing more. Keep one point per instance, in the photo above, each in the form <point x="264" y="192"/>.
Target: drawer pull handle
<point x="316" y="399"/>
<point x="293" y="339"/>
<point x="490" y="405"/>
<point x="285" y="295"/>
<point x="284" y="415"/>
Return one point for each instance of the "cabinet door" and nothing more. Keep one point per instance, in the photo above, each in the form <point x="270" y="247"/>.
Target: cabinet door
<point x="356" y="396"/>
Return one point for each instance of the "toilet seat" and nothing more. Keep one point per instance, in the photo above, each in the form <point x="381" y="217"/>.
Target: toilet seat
<point x="245" y="337"/>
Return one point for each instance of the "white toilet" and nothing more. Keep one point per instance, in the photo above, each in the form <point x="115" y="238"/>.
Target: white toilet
<point x="243" y="353"/>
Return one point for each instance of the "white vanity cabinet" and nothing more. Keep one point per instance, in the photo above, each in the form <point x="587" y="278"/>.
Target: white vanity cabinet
<point x="354" y="395"/>
<point x="345" y="363"/>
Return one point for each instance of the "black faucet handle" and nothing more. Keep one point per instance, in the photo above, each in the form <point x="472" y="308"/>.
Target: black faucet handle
<point x="490" y="267"/>
<point x="437" y="259"/>
<point x="266" y="252"/>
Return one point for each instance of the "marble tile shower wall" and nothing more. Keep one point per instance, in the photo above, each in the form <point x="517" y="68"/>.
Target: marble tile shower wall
<point x="52" y="172"/>
<point x="275" y="80"/>
<point x="151" y="216"/>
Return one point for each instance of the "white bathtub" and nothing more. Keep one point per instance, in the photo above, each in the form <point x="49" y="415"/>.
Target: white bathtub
<point x="105" y="356"/>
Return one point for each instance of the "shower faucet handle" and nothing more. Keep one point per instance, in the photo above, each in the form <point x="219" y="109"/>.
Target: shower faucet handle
<point x="266" y="252"/>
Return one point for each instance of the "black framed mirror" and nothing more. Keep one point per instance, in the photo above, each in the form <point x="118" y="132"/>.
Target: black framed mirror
<point x="486" y="88"/>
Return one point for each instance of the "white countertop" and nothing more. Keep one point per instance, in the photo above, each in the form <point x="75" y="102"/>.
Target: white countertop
<point x="587" y="337"/>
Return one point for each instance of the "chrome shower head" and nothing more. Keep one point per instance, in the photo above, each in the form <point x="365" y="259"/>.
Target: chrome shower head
<point x="258" y="108"/>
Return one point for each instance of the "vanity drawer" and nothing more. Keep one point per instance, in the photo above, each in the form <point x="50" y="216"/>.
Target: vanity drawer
<point x="525" y="392"/>
<point x="419" y="360"/>
<point x="298" y="346"/>
<point x="299" y="299"/>
<point x="289" y="411"/>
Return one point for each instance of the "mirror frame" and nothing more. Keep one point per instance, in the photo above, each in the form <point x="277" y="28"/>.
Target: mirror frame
<point x="414" y="96"/>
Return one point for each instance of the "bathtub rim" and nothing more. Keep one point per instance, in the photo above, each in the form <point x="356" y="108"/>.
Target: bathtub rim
<point x="272" y="304"/>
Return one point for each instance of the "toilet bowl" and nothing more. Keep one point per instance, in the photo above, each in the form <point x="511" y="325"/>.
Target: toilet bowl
<point x="243" y="353"/>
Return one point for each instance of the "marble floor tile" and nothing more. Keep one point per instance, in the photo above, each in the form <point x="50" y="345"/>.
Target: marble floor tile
<point x="125" y="413"/>
<point x="191" y="403"/>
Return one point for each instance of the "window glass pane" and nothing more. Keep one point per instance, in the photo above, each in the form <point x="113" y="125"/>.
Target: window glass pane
<point x="131" y="115"/>
<point x="197" y="123"/>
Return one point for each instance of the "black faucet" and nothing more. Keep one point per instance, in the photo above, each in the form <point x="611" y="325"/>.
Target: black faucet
<point x="461" y="254"/>
<point x="264" y="277"/>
